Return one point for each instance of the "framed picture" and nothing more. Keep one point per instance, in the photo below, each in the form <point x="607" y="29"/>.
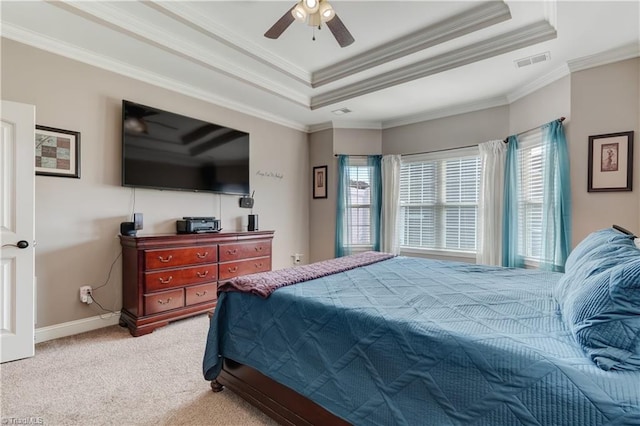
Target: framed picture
<point x="57" y="152"/>
<point x="320" y="182"/>
<point x="610" y="162"/>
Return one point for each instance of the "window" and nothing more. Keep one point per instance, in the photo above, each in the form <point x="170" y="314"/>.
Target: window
<point x="530" y="161"/>
<point x="439" y="200"/>
<point x="358" y="206"/>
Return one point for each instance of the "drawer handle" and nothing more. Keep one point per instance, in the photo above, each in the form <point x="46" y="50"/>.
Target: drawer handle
<point x="202" y="274"/>
<point x="201" y="293"/>
<point x="164" y="302"/>
<point x="258" y="265"/>
<point x="234" y="269"/>
<point x="163" y="260"/>
<point x="259" y="248"/>
<point x="167" y="281"/>
<point x="234" y="251"/>
<point x="202" y="256"/>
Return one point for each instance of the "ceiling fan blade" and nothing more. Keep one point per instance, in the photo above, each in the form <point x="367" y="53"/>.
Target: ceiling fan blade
<point x="340" y="32"/>
<point x="282" y="24"/>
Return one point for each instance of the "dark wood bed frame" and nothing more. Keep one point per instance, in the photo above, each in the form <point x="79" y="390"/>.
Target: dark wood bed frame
<point x="275" y="400"/>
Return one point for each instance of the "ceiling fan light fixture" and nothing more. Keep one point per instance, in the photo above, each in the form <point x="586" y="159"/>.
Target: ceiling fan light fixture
<point x="326" y="11"/>
<point x="311" y="6"/>
<point x="315" y="20"/>
<point x="299" y="12"/>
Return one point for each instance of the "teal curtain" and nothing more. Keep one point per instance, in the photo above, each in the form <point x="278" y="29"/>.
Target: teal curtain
<point x="510" y="231"/>
<point x="374" y="162"/>
<point x="342" y="193"/>
<point x="556" y="212"/>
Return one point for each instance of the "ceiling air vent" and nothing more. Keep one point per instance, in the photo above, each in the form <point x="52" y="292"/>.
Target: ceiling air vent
<point x="341" y="111"/>
<point x="540" y="57"/>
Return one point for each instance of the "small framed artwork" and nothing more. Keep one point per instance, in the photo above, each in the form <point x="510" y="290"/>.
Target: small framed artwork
<point x="57" y="152"/>
<point x="320" y="182"/>
<point x="610" y="162"/>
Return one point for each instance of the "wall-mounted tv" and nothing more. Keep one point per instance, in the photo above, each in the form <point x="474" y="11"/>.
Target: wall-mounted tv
<point x="165" y="150"/>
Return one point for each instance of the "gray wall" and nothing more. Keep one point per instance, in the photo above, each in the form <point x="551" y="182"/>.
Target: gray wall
<point x="449" y="132"/>
<point x="542" y="106"/>
<point x="322" y="211"/>
<point x="323" y="148"/>
<point x="604" y="100"/>
<point x="77" y="220"/>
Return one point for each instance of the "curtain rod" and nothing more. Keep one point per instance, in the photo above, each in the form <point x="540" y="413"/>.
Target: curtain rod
<point x="561" y="119"/>
<point x="506" y="140"/>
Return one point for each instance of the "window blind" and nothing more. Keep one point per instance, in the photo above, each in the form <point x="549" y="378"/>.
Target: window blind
<point x="359" y="205"/>
<point x="530" y="200"/>
<point x="439" y="201"/>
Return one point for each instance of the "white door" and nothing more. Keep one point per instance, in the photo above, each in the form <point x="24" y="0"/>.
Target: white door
<point x="17" y="192"/>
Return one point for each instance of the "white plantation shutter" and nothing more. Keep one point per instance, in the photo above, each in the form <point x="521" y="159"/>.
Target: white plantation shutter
<point x="530" y="156"/>
<point x="439" y="200"/>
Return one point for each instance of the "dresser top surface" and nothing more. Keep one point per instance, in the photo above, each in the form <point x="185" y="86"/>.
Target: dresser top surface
<point x="148" y="241"/>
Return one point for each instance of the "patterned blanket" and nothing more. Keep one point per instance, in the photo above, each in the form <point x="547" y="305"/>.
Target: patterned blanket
<point x="264" y="283"/>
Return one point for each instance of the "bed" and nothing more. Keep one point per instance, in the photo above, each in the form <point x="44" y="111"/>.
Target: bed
<point x="413" y="341"/>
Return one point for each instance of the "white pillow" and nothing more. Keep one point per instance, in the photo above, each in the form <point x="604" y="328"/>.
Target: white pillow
<point x="637" y="241"/>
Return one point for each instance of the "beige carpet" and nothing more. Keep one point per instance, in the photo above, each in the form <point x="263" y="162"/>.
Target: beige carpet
<point x="107" y="377"/>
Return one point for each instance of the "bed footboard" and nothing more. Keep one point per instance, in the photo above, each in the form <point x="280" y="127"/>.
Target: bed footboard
<point x="275" y="400"/>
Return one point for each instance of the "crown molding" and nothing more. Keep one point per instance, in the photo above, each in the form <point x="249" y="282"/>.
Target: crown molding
<point x="319" y="127"/>
<point x="522" y="37"/>
<point x="627" y="51"/>
<point x="539" y="83"/>
<point x="446" y="112"/>
<point x="477" y="18"/>
<point x="116" y="19"/>
<point x="354" y="124"/>
<point x="188" y="15"/>
<point x="48" y="44"/>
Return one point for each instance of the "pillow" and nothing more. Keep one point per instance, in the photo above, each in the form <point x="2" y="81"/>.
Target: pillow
<point x="637" y="241"/>
<point x="591" y="242"/>
<point x="599" y="298"/>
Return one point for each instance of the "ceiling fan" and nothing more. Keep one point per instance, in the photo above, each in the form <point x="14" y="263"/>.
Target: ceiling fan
<point x="315" y="13"/>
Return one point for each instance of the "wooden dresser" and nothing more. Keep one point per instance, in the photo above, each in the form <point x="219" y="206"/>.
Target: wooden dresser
<point x="170" y="277"/>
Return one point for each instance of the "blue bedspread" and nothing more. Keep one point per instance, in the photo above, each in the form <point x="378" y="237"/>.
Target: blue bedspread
<point x="422" y="342"/>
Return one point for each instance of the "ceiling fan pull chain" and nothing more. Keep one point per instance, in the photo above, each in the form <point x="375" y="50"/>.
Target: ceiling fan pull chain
<point x="314" y="34"/>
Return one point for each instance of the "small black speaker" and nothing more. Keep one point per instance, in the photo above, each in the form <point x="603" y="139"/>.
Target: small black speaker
<point x="253" y="222"/>
<point x="128" y="228"/>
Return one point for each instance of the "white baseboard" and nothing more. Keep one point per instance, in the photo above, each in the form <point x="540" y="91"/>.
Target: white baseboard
<point x="76" y="327"/>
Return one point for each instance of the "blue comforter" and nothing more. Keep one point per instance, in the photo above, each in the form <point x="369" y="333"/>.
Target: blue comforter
<point x="419" y="342"/>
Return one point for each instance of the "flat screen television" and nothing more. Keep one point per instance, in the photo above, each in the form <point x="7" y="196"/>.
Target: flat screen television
<point x="164" y="150"/>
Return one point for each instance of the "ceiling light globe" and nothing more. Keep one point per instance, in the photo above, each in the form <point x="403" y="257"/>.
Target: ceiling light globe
<point x="326" y="11"/>
<point x="311" y="6"/>
<point x="299" y="12"/>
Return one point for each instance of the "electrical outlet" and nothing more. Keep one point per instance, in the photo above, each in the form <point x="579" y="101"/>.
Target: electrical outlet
<point x="85" y="294"/>
<point x="297" y="258"/>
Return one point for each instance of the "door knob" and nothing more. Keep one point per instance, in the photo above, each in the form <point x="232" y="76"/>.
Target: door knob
<point x="22" y="244"/>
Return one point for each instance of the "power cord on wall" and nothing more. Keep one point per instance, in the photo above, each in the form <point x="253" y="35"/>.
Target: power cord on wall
<point x="104" y="284"/>
<point x="133" y="207"/>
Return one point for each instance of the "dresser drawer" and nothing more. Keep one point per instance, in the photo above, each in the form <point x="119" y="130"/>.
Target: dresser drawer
<point x="164" y="301"/>
<point x="166" y="279"/>
<point x="239" y="251"/>
<point x="156" y="259"/>
<point x="243" y="267"/>
<point x="201" y="293"/>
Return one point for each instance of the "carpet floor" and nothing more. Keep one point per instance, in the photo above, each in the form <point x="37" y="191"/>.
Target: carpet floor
<point x="107" y="377"/>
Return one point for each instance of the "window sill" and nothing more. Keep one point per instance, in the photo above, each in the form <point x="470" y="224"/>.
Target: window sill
<point x="531" y="263"/>
<point x="438" y="253"/>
